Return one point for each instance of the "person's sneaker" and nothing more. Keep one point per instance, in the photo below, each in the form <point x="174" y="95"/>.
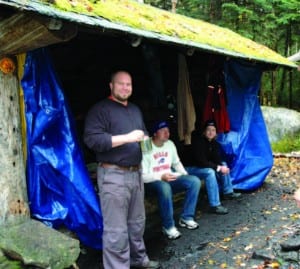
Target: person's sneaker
<point x="220" y="210"/>
<point x="232" y="196"/>
<point x="149" y="265"/>
<point x="189" y="224"/>
<point x="171" y="233"/>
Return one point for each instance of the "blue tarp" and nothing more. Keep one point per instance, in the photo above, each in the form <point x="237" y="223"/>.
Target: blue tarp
<point x="59" y="188"/>
<point x="247" y="145"/>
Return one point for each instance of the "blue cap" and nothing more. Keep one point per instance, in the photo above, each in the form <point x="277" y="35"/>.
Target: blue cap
<point x="210" y="123"/>
<point x="159" y="125"/>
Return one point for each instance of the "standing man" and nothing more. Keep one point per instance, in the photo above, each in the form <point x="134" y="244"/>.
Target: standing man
<point x="207" y="164"/>
<point x="164" y="174"/>
<point x="113" y="129"/>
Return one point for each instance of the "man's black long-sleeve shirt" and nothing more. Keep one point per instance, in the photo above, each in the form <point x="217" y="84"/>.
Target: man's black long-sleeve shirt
<point x="106" y="119"/>
<point x="206" y="154"/>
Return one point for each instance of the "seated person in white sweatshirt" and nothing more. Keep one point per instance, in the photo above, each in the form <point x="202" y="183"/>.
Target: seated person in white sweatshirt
<point x="163" y="175"/>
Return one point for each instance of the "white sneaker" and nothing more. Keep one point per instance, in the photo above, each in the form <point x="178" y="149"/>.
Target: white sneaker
<point x="189" y="224"/>
<point x="171" y="233"/>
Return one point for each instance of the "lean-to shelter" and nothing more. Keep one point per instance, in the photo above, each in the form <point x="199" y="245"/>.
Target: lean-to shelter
<point x="64" y="51"/>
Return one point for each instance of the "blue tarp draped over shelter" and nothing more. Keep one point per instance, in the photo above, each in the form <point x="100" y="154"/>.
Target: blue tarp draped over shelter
<point x="59" y="188"/>
<point x="247" y="145"/>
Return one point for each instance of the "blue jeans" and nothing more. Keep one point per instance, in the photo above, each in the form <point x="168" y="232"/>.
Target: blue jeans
<point x="215" y="183"/>
<point x="164" y="192"/>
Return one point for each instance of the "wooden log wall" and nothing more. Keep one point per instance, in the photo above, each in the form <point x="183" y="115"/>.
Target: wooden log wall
<point x="13" y="194"/>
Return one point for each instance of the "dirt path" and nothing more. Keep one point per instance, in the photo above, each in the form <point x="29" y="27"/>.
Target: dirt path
<point x="248" y="237"/>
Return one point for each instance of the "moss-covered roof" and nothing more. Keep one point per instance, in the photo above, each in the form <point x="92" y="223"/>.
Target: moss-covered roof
<point x="150" y="22"/>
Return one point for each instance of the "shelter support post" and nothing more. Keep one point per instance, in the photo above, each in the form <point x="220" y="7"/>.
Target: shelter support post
<point x="13" y="194"/>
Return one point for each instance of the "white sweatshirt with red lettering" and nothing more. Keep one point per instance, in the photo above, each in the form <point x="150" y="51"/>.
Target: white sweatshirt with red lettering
<point x="161" y="160"/>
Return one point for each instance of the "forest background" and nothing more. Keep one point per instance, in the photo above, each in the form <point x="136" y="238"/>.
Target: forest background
<point x="274" y="23"/>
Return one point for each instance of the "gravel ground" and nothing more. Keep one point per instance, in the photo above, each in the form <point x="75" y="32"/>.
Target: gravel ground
<point x="254" y="225"/>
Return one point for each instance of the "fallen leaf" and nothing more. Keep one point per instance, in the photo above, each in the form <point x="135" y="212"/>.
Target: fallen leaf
<point x="275" y="265"/>
<point x="211" y="262"/>
<point x="248" y="247"/>
<point x="224" y="247"/>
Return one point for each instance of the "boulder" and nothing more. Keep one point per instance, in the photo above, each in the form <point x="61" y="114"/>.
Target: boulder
<point x="35" y="244"/>
<point x="280" y="122"/>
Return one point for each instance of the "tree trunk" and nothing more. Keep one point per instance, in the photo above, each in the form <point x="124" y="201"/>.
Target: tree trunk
<point x="173" y="3"/>
<point x="290" y="89"/>
<point x="13" y="195"/>
<point x="289" y="43"/>
<point x="283" y="78"/>
<point x="262" y="97"/>
<point x="215" y="10"/>
<point x="273" y="88"/>
<point x="281" y="88"/>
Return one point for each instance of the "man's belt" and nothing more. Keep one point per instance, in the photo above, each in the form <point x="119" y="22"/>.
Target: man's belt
<point x="124" y="168"/>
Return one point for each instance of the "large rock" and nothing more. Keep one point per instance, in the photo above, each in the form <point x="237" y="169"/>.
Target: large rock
<point x="35" y="244"/>
<point x="6" y="263"/>
<point x="280" y="122"/>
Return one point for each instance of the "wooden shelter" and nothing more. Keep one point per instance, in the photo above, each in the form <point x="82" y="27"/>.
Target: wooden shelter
<point x="87" y="40"/>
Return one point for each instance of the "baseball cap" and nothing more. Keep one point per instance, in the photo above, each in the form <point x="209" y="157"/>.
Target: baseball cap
<point x="159" y="125"/>
<point x="210" y="123"/>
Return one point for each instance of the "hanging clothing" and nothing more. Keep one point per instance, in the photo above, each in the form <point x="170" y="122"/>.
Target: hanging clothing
<point x="185" y="104"/>
<point x="215" y="108"/>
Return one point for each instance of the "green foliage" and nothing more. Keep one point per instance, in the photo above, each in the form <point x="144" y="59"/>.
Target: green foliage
<point x="274" y="23"/>
<point x="288" y="144"/>
<point x="195" y="9"/>
<point x="165" y="4"/>
<point x="261" y="20"/>
<point x="287" y="11"/>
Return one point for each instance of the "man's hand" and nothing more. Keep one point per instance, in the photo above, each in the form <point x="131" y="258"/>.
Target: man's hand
<point x="224" y="169"/>
<point x="135" y="136"/>
<point x="168" y="177"/>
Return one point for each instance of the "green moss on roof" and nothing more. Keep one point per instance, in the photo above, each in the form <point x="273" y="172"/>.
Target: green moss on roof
<point x="148" y="18"/>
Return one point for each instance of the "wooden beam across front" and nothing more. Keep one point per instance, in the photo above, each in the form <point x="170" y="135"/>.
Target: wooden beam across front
<point x="23" y="32"/>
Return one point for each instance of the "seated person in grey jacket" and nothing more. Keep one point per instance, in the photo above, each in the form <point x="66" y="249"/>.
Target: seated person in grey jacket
<point x="163" y="175"/>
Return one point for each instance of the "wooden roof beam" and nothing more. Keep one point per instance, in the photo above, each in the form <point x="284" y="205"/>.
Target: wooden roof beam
<point x="23" y="32"/>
